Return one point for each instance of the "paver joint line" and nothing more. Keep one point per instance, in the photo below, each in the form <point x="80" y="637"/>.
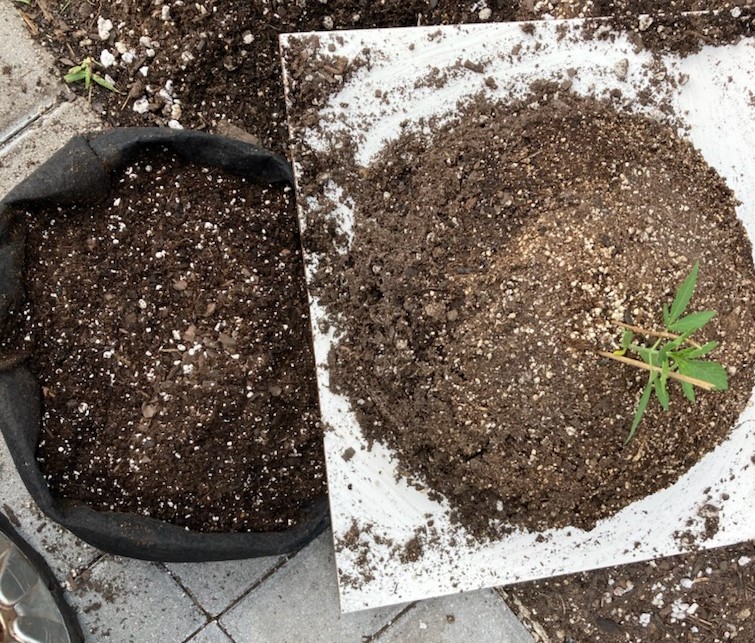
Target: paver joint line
<point x="376" y="635"/>
<point x="21" y="125"/>
<point x="185" y="590"/>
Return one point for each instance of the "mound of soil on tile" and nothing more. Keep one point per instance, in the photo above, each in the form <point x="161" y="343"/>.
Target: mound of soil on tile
<point x="169" y="329"/>
<point x="491" y="260"/>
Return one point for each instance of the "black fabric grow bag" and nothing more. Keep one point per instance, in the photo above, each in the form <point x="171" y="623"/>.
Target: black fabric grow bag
<point x="80" y="173"/>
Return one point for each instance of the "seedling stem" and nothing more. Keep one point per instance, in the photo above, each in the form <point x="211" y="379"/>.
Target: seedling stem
<point x="86" y="71"/>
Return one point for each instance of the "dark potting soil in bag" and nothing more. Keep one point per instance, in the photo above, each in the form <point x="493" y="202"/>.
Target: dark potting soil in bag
<point x="160" y="401"/>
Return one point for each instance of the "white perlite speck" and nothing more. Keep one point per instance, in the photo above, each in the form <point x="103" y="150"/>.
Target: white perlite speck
<point x="485" y="13"/>
<point x="141" y="106"/>
<point x="644" y="619"/>
<point x="104" y="27"/>
<point x="679" y="610"/>
<point x="106" y="58"/>
<point x="743" y="560"/>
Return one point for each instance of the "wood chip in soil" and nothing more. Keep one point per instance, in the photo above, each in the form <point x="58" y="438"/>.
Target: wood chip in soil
<point x="169" y="328"/>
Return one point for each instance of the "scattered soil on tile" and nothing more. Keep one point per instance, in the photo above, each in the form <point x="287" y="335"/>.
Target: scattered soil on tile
<point x="702" y="596"/>
<point x="215" y="65"/>
<point x="490" y="262"/>
<point x="679" y="34"/>
<point x="170" y="331"/>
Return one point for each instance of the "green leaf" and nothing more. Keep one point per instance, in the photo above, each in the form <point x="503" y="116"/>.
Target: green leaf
<point x="679" y="341"/>
<point x="74" y="76"/>
<point x="641" y="406"/>
<point x="689" y="391"/>
<point x="665" y="368"/>
<point x="683" y="295"/>
<point x="693" y="322"/>
<point x="648" y="355"/>
<point x="103" y="83"/>
<point x="693" y="351"/>
<point x="666" y="315"/>
<point x="711" y="372"/>
<point x="661" y="392"/>
<point x="663" y="352"/>
<point x="627" y="338"/>
<point x="704" y="349"/>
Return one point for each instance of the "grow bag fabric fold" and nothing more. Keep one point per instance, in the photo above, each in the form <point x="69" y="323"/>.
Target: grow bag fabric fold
<point x="80" y="173"/>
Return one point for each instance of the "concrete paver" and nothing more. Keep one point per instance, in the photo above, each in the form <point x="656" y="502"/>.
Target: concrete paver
<point x="120" y="600"/>
<point x="29" y="82"/>
<point x="60" y="548"/>
<point x="216" y="585"/>
<point x="476" y="616"/>
<point x="299" y="604"/>
<point x="210" y="634"/>
<point x="20" y="156"/>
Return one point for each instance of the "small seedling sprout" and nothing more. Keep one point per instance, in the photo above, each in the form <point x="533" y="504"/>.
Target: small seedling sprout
<point x="673" y="355"/>
<point x="86" y="71"/>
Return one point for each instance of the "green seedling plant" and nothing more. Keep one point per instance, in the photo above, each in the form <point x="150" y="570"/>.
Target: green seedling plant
<point x="86" y="71"/>
<point x="673" y="355"/>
